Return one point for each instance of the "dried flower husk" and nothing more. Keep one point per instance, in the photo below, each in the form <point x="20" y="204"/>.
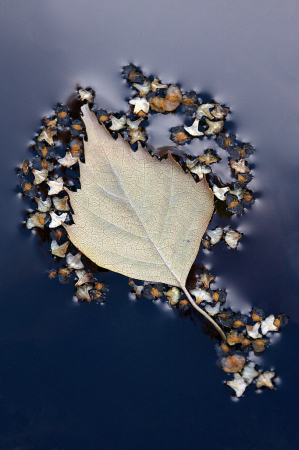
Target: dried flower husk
<point x="219" y="112"/>
<point x="238" y="384"/>
<point x="64" y="275"/>
<point x="193" y="129"/>
<point x="143" y="88"/>
<point x="220" y="192"/>
<point x="253" y="331"/>
<point x="61" y="204"/>
<point x="59" y="250"/>
<point x="173" y="295"/>
<point x="43" y="205"/>
<point x="225" y="141"/>
<point x="233" y="337"/>
<point x="265" y="380"/>
<point x="239" y="166"/>
<point x="155" y="85"/>
<point x="208" y="157"/>
<point x="206" y="278"/>
<point x="215" y="235"/>
<point x="249" y="373"/>
<point x="153" y="291"/>
<point x="204" y="111"/>
<point x="56" y="220"/>
<point x="179" y="136"/>
<point x="137" y="289"/>
<point x="117" y="123"/>
<point x="140" y="104"/>
<point x="68" y="160"/>
<point x="86" y="94"/>
<point x="213" y="310"/>
<point x="268" y="325"/>
<point x="74" y="261"/>
<point x="136" y="135"/>
<point x="213" y="127"/>
<point x="84" y="276"/>
<point x="232" y="238"/>
<point x="47" y="135"/>
<point x="55" y="186"/>
<point x="37" y="220"/>
<point x="82" y="292"/>
<point x="169" y="103"/>
<point x="39" y="176"/>
<point x="201" y="295"/>
<point x="260" y="344"/>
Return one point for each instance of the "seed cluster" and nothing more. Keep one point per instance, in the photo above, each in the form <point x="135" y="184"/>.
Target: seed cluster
<point x="53" y="171"/>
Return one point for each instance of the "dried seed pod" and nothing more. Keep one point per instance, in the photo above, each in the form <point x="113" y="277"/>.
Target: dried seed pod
<point x="117" y="124"/>
<point x="74" y="261"/>
<point x="86" y="94"/>
<point x="253" y="331"/>
<point x="232" y="238"/>
<point x="268" y="325"/>
<point x="193" y="129"/>
<point x="61" y="204"/>
<point x="76" y="128"/>
<point x="68" y="160"/>
<point x="239" y="166"/>
<point x="213" y="310"/>
<point x="56" y="220"/>
<point x="179" y="136"/>
<point x="219" y="112"/>
<point x="140" y="104"/>
<point x="37" y="220"/>
<point x="55" y="186"/>
<point x="238" y="384"/>
<point x="59" y="250"/>
<point x="102" y="115"/>
<point x="220" y="192"/>
<point x="201" y="295"/>
<point x="43" y="205"/>
<point x="213" y="127"/>
<point x="265" y="380"/>
<point x="47" y="135"/>
<point x="249" y="372"/>
<point x="215" y="235"/>
<point x="155" y="85"/>
<point x="225" y="141"/>
<point x="204" y="111"/>
<point x="75" y="147"/>
<point x="173" y="295"/>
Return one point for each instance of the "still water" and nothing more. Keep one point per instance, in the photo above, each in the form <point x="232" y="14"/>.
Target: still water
<point x="135" y="374"/>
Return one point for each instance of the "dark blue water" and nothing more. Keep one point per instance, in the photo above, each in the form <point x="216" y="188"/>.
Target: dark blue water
<point x="134" y="374"/>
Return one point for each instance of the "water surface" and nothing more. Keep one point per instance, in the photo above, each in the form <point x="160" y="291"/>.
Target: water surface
<point x="132" y="375"/>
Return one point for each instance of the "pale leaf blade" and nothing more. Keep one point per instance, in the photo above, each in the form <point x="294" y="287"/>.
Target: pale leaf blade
<point x="134" y="214"/>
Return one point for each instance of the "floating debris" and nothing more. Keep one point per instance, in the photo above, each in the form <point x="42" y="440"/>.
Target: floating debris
<point x="238" y="384"/>
<point x="56" y="186"/>
<point x="37" y="220"/>
<point x="215" y="235"/>
<point x="249" y="373"/>
<point x="140" y="104"/>
<point x="268" y="325"/>
<point x="173" y="295"/>
<point x="74" y="261"/>
<point x="57" y="220"/>
<point x="193" y="129"/>
<point x="43" y="205"/>
<point x="59" y="250"/>
<point x="232" y="238"/>
<point x="265" y="380"/>
<point x="86" y="94"/>
<point x="213" y="127"/>
<point x="68" y="160"/>
<point x="220" y="192"/>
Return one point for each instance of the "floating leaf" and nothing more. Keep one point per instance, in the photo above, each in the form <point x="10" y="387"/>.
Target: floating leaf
<point x="137" y="215"/>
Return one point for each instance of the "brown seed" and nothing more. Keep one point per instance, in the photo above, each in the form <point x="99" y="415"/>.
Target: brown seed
<point x="241" y="178"/>
<point x="98" y="286"/>
<point x="77" y="127"/>
<point x="225" y="348"/>
<point x="216" y="296"/>
<point x="155" y="292"/>
<point x="62" y="114"/>
<point x="233" y="204"/>
<point x="27" y="187"/>
<point x="238" y="324"/>
<point x="255" y="317"/>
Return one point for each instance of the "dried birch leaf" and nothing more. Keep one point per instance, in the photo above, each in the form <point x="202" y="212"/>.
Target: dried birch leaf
<point x="136" y="215"/>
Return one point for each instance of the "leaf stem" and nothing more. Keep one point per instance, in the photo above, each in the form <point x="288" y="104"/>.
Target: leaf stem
<point x="204" y="313"/>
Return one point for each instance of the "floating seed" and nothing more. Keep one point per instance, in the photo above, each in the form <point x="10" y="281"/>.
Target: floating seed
<point x="238" y="384"/>
<point x="265" y="380"/>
